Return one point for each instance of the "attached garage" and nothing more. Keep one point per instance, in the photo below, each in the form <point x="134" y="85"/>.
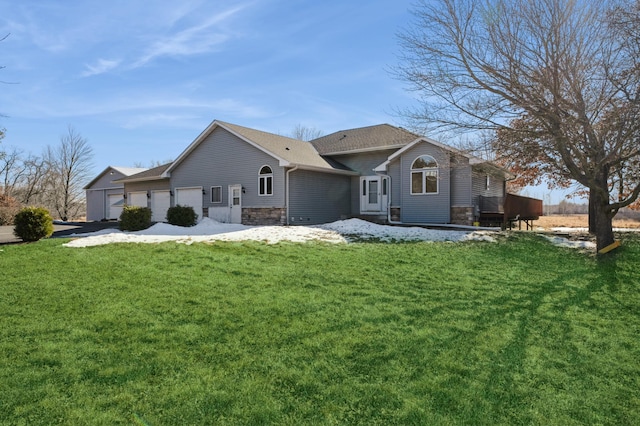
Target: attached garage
<point x="190" y="197"/>
<point x="115" y="203"/>
<point x="160" y="203"/>
<point x="137" y="199"/>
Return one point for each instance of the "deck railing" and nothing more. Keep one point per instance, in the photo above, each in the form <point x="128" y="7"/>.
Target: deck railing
<point x="512" y="207"/>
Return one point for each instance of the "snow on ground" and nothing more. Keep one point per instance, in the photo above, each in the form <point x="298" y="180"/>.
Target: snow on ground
<point x="337" y="232"/>
<point x="343" y="231"/>
<point x="565" y="242"/>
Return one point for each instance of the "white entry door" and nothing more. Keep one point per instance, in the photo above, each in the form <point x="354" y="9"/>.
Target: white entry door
<point x="235" y="203"/>
<point x="374" y="194"/>
<point x="190" y="197"/>
<point x="160" y="203"/>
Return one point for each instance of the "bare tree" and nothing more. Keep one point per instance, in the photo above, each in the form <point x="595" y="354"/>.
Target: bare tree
<point x="553" y="75"/>
<point x="305" y="133"/>
<point x="32" y="189"/>
<point x="69" y="167"/>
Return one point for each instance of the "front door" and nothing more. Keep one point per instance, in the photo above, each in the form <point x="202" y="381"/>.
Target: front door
<point x="374" y="194"/>
<point x="235" y="203"/>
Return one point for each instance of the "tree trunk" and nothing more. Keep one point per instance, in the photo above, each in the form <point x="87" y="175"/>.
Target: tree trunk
<point x="602" y="220"/>
<point x="592" y="217"/>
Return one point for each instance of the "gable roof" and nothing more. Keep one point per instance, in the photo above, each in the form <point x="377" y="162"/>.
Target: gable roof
<point x="475" y="162"/>
<point x="154" y="173"/>
<point x="363" y="139"/>
<point x="126" y="171"/>
<point x="288" y="151"/>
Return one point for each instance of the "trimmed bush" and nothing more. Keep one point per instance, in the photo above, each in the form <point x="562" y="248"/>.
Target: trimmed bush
<point x="33" y="224"/>
<point x="9" y="208"/>
<point x="134" y="218"/>
<point x="181" y="216"/>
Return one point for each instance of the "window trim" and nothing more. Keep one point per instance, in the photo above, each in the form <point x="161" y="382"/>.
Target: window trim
<point x="424" y="172"/>
<point x="265" y="182"/>
<point x="219" y="187"/>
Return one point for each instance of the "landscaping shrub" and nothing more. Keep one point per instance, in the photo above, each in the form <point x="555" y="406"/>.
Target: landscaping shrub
<point x="134" y="218"/>
<point x="181" y="216"/>
<point x="9" y="207"/>
<point x="33" y="224"/>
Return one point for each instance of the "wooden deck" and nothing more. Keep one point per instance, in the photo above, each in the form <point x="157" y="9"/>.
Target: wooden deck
<point x="506" y="211"/>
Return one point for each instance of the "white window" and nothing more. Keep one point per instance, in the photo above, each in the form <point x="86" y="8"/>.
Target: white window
<point x="424" y="175"/>
<point x="216" y="194"/>
<point x="265" y="181"/>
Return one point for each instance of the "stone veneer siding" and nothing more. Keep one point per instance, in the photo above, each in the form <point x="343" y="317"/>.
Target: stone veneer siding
<point x="462" y="215"/>
<point x="395" y="214"/>
<point x="264" y="216"/>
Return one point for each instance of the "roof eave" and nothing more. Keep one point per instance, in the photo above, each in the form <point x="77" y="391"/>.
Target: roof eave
<point x="323" y="169"/>
<point x="361" y="150"/>
<point x="143" y="179"/>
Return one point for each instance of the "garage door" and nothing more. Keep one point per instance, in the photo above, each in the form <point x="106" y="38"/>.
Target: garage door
<point x="137" y="199"/>
<point x="115" y="206"/>
<point x="190" y="197"/>
<point x="160" y="202"/>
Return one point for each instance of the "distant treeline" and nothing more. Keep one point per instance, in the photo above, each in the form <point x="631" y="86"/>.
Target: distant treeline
<point x="567" y="207"/>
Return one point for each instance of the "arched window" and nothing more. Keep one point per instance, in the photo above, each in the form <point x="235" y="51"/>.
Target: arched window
<point x="424" y="175"/>
<point x="265" y="181"/>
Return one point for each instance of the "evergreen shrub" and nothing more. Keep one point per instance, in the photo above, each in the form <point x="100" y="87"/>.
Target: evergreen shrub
<point x="33" y="224"/>
<point x="134" y="218"/>
<point x="181" y="216"/>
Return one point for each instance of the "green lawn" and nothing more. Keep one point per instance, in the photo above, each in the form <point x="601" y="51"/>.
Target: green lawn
<point x="518" y="332"/>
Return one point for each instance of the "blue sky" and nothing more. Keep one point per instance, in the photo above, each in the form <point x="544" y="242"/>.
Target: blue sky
<point x="141" y="79"/>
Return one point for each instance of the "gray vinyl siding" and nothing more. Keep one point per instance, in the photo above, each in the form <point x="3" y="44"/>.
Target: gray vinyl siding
<point x="479" y="183"/>
<point x="427" y="208"/>
<point x="106" y="180"/>
<point x="318" y="197"/>
<point x="460" y="182"/>
<point x="355" y="195"/>
<point x="96" y="205"/>
<point x="151" y="185"/>
<point x="364" y="162"/>
<point x="97" y="195"/>
<point x="393" y="170"/>
<point x="223" y="159"/>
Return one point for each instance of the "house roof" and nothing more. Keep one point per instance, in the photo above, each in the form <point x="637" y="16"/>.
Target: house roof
<point x="371" y="138"/>
<point x="474" y="161"/>
<point x="154" y="173"/>
<point x="126" y="171"/>
<point x="288" y="151"/>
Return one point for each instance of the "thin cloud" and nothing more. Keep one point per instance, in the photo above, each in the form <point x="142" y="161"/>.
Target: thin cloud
<point x="191" y="41"/>
<point x="101" y="67"/>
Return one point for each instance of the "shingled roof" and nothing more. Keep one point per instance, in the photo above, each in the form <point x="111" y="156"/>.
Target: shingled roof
<point x="381" y="136"/>
<point x="126" y="171"/>
<point x="289" y="151"/>
<point x="150" y="174"/>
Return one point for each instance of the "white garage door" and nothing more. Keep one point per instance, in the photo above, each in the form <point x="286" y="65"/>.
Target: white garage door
<point x="160" y="203"/>
<point x="115" y="206"/>
<point x="137" y="199"/>
<point x="190" y="197"/>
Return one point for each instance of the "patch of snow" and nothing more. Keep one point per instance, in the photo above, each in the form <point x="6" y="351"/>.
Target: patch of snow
<point x="565" y="242"/>
<point x="209" y="230"/>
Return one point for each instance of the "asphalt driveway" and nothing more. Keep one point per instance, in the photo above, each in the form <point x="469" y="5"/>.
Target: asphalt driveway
<point x="60" y="229"/>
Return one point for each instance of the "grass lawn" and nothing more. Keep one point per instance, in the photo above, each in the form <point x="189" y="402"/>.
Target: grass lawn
<point x="519" y="332"/>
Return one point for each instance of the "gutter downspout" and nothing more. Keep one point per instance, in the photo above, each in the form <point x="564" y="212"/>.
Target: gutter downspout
<point x="287" y="190"/>
<point x="392" y="222"/>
